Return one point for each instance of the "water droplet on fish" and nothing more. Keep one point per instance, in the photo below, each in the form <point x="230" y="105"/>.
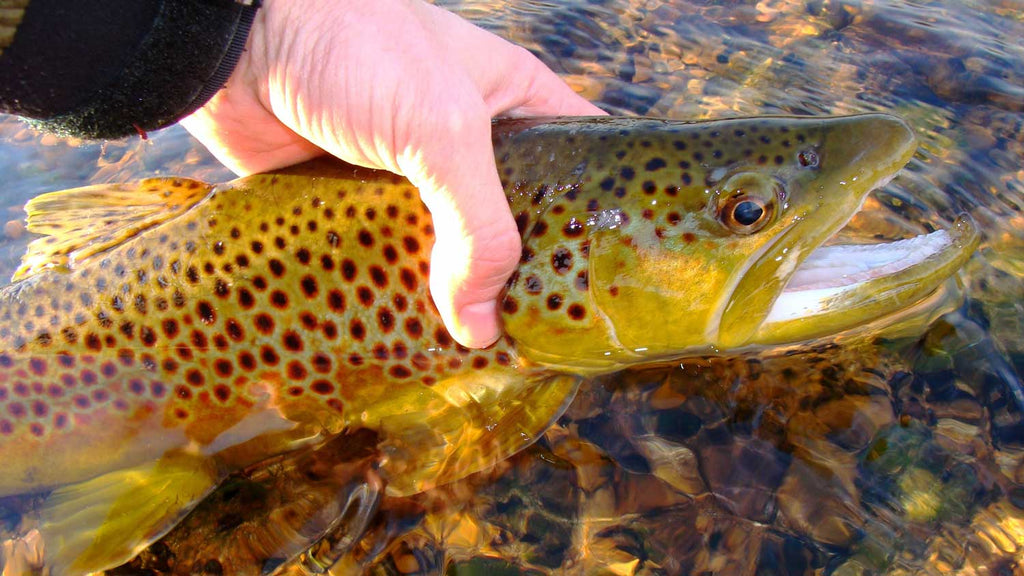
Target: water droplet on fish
<point x="605" y="219"/>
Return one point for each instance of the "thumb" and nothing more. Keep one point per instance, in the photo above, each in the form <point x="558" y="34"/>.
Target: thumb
<point x="477" y="245"/>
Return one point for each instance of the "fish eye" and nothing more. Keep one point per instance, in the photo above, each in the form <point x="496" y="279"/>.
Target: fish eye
<point x="745" y="214"/>
<point x="746" y="202"/>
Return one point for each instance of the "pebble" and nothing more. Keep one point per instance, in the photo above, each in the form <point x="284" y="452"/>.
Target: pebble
<point x="14" y="229"/>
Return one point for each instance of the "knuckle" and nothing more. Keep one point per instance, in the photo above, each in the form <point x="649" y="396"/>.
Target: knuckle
<point x="494" y="257"/>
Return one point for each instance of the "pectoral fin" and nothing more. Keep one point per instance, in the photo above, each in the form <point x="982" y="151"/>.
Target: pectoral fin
<point x="474" y="421"/>
<point x="103" y="522"/>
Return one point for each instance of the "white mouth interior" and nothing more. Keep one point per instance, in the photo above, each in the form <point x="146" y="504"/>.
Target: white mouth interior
<point x="831" y="270"/>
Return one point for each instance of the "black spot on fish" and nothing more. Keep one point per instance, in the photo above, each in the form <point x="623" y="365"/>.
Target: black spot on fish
<point x="554" y="301"/>
<point x="655" y="164"/>
<point x="561" y="260"/>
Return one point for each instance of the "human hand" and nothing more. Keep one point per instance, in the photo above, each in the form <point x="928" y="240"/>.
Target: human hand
<point x="403" y="86"/>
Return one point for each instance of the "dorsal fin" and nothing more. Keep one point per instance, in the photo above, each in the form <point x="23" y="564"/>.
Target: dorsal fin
<point x="82" y="222"/>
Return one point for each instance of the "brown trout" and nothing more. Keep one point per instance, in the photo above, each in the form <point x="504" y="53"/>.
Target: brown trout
<point x="164" y="334"/>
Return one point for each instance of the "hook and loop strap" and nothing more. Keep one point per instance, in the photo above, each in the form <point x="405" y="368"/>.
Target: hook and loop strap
<point x="107" y="69"/>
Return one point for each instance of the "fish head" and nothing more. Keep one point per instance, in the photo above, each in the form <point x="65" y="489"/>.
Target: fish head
<point x="681" y="238"/>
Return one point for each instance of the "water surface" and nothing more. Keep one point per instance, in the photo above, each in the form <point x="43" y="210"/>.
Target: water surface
<point x="895" y="457"/>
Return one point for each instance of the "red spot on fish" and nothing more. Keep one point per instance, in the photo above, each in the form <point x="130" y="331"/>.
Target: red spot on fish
<point x="199" y="340"/>
<point x="399" y="371"/>
<point x="308" y="320"/>
<point x="321" y="363"/>
<point x="222" y="392"/>
<point x="279" y="299"/>
<point x="292" y="341"/>
<point x="296" y="371"/>
<point x="509" y="305"/>
<point x="247" y="361"/>
<point x="37" y="366"/>
<point x="336" y="301"/>
<point x="264" y="323"/>
<point x="195" y="377"/>
<point x="234" y="330"/>
<point x="413" y="327"/>
<point x="223" y="367"/>
<point x="269" y="356"/>
<point x="322" y="387"/>
<point x="408" y="278"/>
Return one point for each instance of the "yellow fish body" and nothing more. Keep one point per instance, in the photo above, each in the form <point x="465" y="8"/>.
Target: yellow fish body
<point x="163" y="334"/>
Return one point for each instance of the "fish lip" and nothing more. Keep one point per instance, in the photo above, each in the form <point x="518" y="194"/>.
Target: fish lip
<point x="912" y="269"/>
<point x="825" y="268"/>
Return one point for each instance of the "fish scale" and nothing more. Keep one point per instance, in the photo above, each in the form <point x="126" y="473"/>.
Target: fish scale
<point x="162" y="335"/>
<point x="331" y="290"/>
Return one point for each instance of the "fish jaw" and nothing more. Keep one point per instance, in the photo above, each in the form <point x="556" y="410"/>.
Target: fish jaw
<point x="857" y="155"/>
<point x="832" y="291"/>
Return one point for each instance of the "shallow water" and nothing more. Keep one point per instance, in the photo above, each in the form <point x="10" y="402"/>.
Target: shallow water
<point x="898" y="457"/>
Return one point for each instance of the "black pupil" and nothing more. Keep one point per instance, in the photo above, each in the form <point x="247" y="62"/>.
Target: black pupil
<point x="747" y="213"/>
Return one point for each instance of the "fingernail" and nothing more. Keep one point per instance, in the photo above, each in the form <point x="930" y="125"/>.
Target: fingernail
<point x="481" y="323"/>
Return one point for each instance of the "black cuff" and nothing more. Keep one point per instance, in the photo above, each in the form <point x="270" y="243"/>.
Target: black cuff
<point x="153" y="62"/>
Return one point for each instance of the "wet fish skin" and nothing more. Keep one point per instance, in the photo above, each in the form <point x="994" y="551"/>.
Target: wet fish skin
<point x="208" y="327"/>
<point x="306" y="289"/>
<point x="167" y="333"/>
<point x="304" y="292"/>
<point x="630" y="258"/>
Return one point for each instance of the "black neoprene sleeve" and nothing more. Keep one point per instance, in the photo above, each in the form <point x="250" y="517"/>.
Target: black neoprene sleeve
<point x="110" y="68"/>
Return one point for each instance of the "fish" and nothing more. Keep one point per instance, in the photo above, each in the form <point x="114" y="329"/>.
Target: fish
<point x="163" y="334"/>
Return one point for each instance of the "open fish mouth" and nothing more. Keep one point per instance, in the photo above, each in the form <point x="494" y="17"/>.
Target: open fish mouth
<point x="837" y="281"/>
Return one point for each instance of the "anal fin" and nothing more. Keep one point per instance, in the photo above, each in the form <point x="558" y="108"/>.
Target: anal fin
<point x="103" y="522"/>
